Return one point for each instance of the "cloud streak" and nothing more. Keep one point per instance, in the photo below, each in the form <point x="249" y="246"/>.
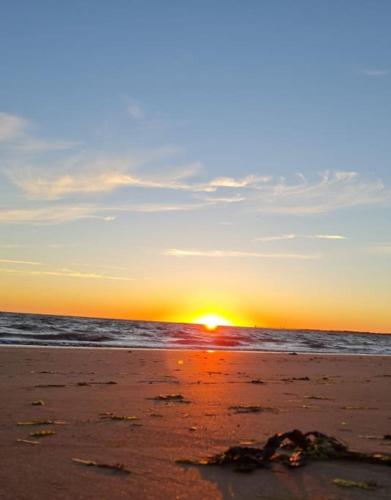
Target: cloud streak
<point x="282" y="237"/>
<point x="59" y="214"/>
<point x="22" y="262"/>
<point x="328" y="237"/>
<point x="285" y="237"/>
<point x="50" y="214"/>
<point x="176" y="252"/>
<point x="65" y="274"/>
<point x="231" y="182"/>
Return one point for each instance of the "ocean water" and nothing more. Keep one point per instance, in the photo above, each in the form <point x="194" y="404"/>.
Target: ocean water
<point x="44" y="330"/>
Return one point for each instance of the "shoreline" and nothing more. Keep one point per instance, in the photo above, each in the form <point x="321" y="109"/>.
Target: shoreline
<point x="79" y="388"/>
<point x="195" y="349"/>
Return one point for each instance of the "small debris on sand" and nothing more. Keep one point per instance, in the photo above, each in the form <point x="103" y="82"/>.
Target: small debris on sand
<point x="27" y="441"/>
<point x="346" y="483"/>
<point x="319" y="398"/>
<point x="357" y="408"/>
<point x="50" y="385"/>
<point x="42" y="422"/>
<point x="83" y="384"/>
<point x="93" y="463"/>
<point x="42" y="433"/>
<point x="38" y="402"/>
<point x="173" y="398"/>
<point x="251" y="409"/>
<point x="294" y="379"/>
<point x="113" y="416"/>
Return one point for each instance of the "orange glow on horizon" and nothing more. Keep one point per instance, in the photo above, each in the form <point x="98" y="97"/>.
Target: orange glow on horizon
<point x="118" y="300"/>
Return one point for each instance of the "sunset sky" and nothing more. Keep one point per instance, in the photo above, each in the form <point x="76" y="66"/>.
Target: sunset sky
<point x="164" y="160"/>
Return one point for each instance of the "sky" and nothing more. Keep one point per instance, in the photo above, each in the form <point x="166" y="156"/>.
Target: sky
<point x="165" y="160"/>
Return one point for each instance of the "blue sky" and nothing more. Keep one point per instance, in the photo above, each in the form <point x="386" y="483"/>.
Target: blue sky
<point x="240" y="142"/>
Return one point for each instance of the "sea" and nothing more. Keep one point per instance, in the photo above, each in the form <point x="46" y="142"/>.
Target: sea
<point x="66" y="331"/>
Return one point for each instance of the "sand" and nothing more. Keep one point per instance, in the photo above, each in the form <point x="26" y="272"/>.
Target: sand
<point x="345" y="396"/>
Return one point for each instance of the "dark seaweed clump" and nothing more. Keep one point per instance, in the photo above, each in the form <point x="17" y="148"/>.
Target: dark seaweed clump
<point x="293" y="449"/>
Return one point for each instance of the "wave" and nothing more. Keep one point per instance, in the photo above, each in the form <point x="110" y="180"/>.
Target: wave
<point x="36" y="329"/>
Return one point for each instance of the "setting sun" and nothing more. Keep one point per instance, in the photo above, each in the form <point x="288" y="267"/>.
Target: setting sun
<point x="212" y="321"/>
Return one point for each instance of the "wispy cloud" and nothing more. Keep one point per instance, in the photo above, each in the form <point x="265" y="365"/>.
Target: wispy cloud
<point x="23" y="262"/>
<point x="162" y="207"/>
<point x="135" y="111"/>
<point x="15" y="135"/>
<point x="376" y="72"/>
<point x="67" y="175"/>
<point x="284" y="237"/>
<point x="328" y="191"/>
<point x="84" y="175"/>
<point x="94" y="180"/>
<point x="175" y="252"/>
<point x="11" y="126"/>
<point x="65" y="274"/>
<point x="332" y="191"/>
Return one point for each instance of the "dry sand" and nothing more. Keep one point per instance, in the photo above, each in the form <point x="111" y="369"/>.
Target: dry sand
<point x="355" y="407"/>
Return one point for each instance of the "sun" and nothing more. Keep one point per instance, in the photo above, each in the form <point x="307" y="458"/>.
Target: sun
<point x="212" y="321"/>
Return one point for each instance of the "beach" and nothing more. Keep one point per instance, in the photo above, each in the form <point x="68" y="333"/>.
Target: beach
<point x="92" y="395"/>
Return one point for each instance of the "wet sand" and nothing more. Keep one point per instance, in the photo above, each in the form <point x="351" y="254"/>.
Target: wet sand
<point x="345" y="396"/>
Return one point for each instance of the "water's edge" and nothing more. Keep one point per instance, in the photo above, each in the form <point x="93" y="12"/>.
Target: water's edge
<point x="181" y="349"/>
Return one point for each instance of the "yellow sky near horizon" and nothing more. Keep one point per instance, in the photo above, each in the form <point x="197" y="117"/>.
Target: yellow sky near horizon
<point x="127" y="300"/>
